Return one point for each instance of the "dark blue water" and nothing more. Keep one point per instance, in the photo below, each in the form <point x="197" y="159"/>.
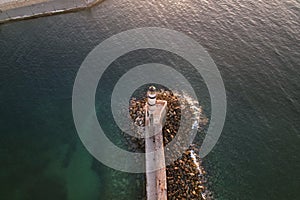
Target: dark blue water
<point x="256" y="46"/>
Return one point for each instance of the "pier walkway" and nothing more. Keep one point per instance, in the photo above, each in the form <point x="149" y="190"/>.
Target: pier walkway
<point x="156" y="182"/>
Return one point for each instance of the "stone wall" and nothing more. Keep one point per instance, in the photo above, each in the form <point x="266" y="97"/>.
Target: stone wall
<point x="22" y="9"/>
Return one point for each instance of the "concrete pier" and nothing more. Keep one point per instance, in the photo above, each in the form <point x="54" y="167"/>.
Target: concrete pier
<point x="24" y="9"/>
<point x="156" y="182"/>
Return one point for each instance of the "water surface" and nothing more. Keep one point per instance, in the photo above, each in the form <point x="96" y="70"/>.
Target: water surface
<point x="255" y="45"/>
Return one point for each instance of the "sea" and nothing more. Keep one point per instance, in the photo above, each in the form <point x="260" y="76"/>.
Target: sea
<point x="254" y="44"/>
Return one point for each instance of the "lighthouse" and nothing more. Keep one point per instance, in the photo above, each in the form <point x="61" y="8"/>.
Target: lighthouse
<point x="151" y="100"/>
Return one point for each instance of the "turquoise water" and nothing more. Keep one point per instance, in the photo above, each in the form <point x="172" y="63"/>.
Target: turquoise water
<point x="255" y="46"/>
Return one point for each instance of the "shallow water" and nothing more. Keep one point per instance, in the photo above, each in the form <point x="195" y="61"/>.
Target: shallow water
<point x="255" y="46"/>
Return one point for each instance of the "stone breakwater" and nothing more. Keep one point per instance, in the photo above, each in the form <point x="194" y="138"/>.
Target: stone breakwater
<point x="11" y="10"/>
<point x="186" y="177"/>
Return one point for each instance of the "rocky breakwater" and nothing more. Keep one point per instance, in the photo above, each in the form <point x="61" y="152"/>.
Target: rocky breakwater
<point x="186" y="177"/>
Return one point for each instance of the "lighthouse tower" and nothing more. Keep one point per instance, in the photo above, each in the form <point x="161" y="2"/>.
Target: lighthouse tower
<point x="151" y="97"/>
